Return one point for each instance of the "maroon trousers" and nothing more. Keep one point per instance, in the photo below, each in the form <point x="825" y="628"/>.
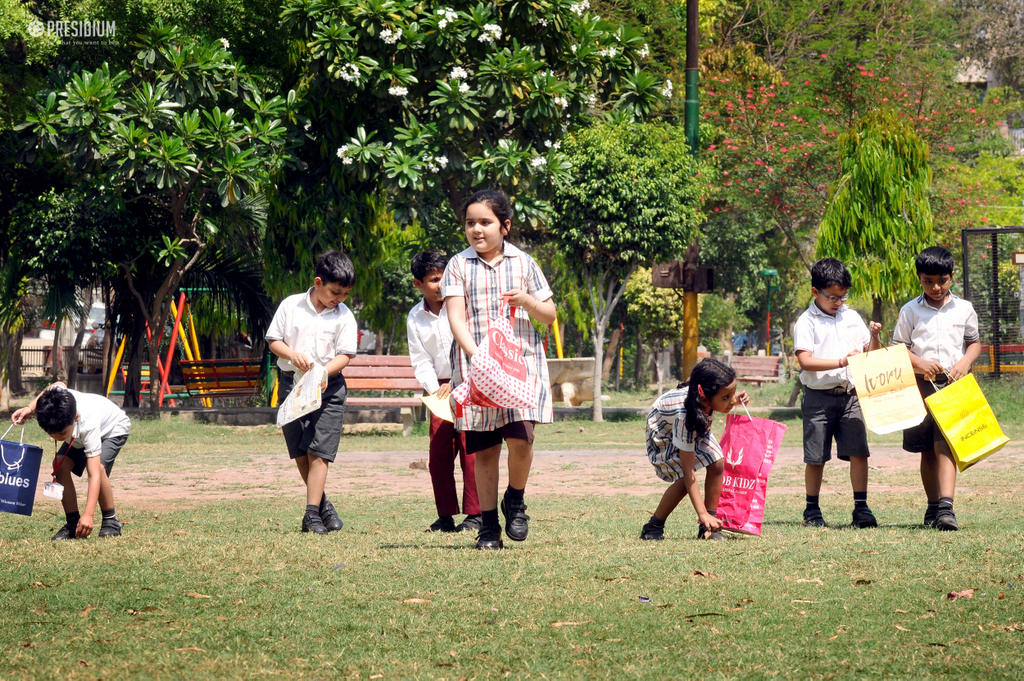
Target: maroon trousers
<point x="447" y="444"/>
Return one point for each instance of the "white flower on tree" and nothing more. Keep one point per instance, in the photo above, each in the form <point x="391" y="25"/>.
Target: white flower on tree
<point x="539" y="162"/>
<point x="580" y="7"/>
<point x="666" y="90"/>
<point x="644" y="52"/>
<point x="225" y="43"/>
<point x="543" y="22"/>
<point x="561" y="101"/>
<point x="459" y="73"/>
<point x="491" y="33"/>
<point x="398" y="91"/>
<point x="347" y="161"/>
<point x="391" y="37"/>
<point x="342" y="150"/>
<point x="464" y="88"/>
<point x="349" y="73"/>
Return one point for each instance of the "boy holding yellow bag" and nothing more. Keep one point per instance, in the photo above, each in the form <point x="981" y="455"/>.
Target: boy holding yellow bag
<point x="941" y="332"/>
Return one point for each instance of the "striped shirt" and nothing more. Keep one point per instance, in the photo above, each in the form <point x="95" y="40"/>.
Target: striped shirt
<point x="469" y="277"/>
<point x="667" y="436"/>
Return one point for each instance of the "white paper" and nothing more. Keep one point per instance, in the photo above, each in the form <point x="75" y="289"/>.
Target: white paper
<point x="305" y="397"/>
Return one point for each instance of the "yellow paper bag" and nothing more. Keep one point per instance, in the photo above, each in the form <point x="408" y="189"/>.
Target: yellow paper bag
<point x="966" y="421"/>
<point x="887" y="390"/>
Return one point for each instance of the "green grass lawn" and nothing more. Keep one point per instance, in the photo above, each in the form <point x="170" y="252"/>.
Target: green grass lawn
<point x="214" y="589"/>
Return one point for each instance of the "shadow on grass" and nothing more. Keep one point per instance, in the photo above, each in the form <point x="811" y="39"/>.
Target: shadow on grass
<point x="426" y="546"/>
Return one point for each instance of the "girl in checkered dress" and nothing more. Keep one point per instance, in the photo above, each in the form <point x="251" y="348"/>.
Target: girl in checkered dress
<point x="680" y="442"/>
<point x="477" y="283"/>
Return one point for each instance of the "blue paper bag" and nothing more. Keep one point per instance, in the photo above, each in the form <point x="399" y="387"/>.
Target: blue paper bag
<point x="19" y="473"/>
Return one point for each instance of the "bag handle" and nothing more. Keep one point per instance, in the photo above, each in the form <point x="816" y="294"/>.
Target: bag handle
<point x="21" y="440"/>
<point x="948" y="378"/>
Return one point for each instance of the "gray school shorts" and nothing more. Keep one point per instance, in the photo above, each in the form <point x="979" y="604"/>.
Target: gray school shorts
<point x="829" y="416"/>
<point x="110" y="447"/>
<point x="319" y="432"/>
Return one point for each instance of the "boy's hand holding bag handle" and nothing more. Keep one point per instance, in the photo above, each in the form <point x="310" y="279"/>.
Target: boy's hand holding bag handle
<point x="19" y="474"/>
<point x="497" y="370"/>
<point x="966" y="421"/>
<point x="887" y="389"/>
<point x="749" y="445"/>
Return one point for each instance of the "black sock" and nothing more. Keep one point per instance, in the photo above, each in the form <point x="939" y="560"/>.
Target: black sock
<point x="323" y="500"/>
<point x="313" y="509"/>
<point x="933" y="507"/>
<point x="73" y="518"/>
<point x="713" y="512"/>
<point x="108" y="514"/>
<point x="513" y="494"/>
<point x="490" y="520"/>
<point x="860" y="499"/>
<point x="945" y="503"/>
<point x="812" y="502"/>
<point x="470" y="516"/>
<point x="656" y="521"/>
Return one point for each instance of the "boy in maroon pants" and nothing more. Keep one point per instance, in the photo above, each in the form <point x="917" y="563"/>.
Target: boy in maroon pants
<point x="430" y="342"/>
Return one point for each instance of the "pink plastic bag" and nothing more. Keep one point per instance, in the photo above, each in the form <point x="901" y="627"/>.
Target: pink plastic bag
<point x="497" y="372"/>
<point x="749" y="445"/>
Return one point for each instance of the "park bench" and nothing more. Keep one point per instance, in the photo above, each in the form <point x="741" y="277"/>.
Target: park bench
<point x="207" y="378"/>
<point x="757" y="369"/>
<point x="383" y="372"/>
<point x="177" y="392"/>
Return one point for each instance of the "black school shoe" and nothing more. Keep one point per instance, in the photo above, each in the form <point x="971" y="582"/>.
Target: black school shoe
<point x="489" y="539"/>
<point x="702" y="533"/>
<point x="813" y="518"/>
<point x="946" y="521"/>
<point x="66" y="532"/>
<point x="471" y="523"/>
<point x="111" y="528"/>
<point x="863" y="517"/>
<point x="516" y="525"/>
<point x="443" y="524"/>
<point x="329" y="517"/>
<point x="651" y="532"/>
<point x="311" y="522"/>
<point x="929" y="517"/>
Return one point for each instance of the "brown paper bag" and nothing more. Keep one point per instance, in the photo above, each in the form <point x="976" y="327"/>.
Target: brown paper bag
<point x="887" y="389"/>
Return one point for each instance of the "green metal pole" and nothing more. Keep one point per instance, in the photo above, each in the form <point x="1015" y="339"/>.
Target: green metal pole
<point x="691" y="123"/>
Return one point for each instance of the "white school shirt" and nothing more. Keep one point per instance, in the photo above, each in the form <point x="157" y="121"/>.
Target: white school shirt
<point x="430" y="345"/>
<point x="98" y="419"/>
<point x="481" y="284"/>
<point x="828" y="337"/>
<point x="937" y="334"/>
<point x="321" y="336"/>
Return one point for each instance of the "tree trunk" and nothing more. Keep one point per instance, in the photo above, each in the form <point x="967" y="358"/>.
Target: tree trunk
<point x="677" y="357"/>
<point x="378" y="343"/>
<point x="876" y="310"/>
<point x="6" y="349"/>
<point x="609" y="356"/>
<point x="154" y="374"/>
<point x="108" y="338"/>
<point x="796" y="392"/>
<point x="659" y="376"/>
<point x="133" y="382"/>
<point x="55" y="353"/>
<point x="75" y="350"/>
<point x="14" y="378"/>
<point x="598" y="370"/>
<point x="638" y="362"/>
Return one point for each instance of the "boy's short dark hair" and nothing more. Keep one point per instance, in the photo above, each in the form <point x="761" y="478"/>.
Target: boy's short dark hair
<point x="935" y="260"/>
<point x="830" y="272"/>
<point x="334" y="267"/>
<point x="56" y="409"/>
<point x="427" y="262"/>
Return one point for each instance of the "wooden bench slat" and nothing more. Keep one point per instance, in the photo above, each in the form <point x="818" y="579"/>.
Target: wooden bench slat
<point x="380" y="360"/>
<point x="383" y="402"/>
<point x="383" y="384"/>
<point x="351" y="372"/>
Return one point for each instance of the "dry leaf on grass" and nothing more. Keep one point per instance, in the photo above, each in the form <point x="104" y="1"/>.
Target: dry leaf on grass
<point x="570" y="624"/>
<point x="902" y="628"/>
<point x="83" y="663"/>
<point x="862" y="582"/>
<point x="701" y="573"/>
<point x="416" y="600"/>
<point x="193" y="594"/>
<point x="191" y="649"/>
<point x="45" y="586"/>
<point x="966" y="593"/>
<point x="377" y="676"/>
<point x="902" y="612"/>
<point x="88" y="609"/>
<point x="809" y="581"/>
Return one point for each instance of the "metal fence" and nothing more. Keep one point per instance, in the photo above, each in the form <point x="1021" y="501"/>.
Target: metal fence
<point x="994" y="283"/>
<point x="38" y="362"/>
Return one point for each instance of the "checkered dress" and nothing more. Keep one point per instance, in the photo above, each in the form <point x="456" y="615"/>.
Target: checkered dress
<point x="469" y="277"/>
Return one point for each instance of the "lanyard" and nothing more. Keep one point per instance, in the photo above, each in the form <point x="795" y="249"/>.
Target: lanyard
<point x="58" y="464"/>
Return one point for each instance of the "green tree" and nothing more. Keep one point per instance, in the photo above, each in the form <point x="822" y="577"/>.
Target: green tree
<point x="186" y="128"/>
<point x="879" y="217"/>
<point x="635" y="195"/>
<point x="429" y="100"/>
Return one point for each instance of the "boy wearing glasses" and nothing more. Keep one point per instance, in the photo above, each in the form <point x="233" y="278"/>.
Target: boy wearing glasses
<point x="941" y="332"/>
<point x="825" y="336"/>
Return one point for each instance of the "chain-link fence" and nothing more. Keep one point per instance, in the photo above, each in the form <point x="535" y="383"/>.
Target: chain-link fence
<point x="994" y="283"/>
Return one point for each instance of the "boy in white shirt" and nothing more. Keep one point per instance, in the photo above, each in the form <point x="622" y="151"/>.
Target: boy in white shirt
<point x="309" y="328"/>
<point x="824" y="337"/>
<point x="93" y="430"/>
<point x="430" y="344"/>
<point x="941" y="332"/>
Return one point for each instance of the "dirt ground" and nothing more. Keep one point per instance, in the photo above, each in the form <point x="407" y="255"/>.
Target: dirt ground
<point x="573" y="472"/>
